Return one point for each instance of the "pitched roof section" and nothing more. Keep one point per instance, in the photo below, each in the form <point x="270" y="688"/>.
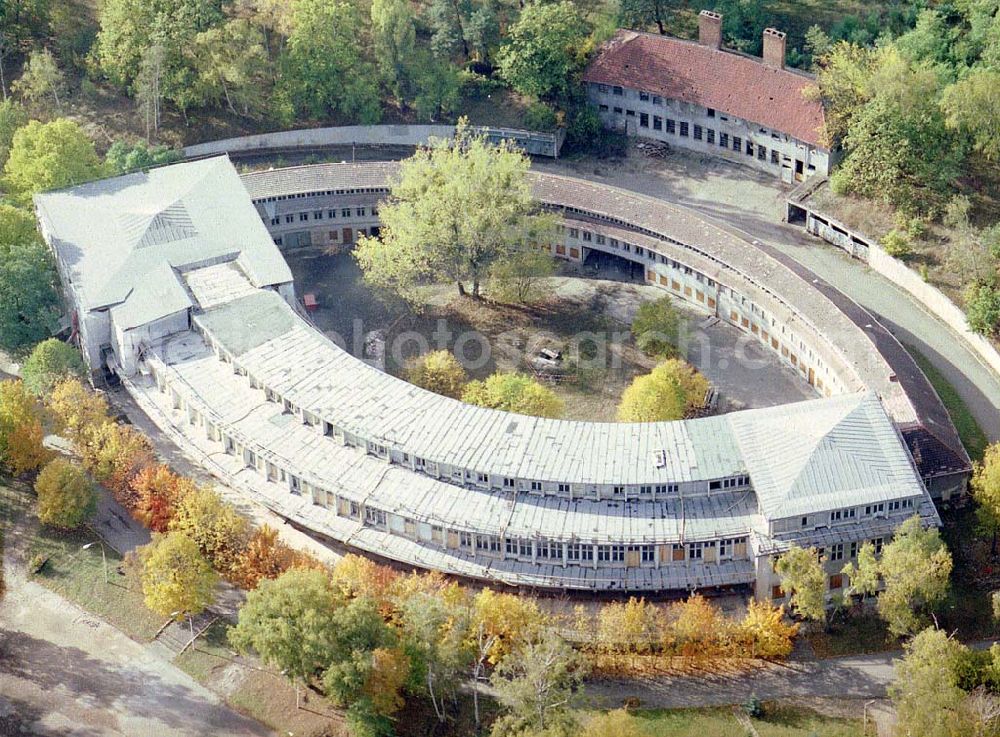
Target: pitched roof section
<point x="112" y="233"/>
<point x="727" y="81"/>
<point x="823" y="455"/>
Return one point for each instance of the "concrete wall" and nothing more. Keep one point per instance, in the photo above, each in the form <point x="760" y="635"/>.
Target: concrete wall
<point x="637" y="113"/>
<point x="537" y="143"/>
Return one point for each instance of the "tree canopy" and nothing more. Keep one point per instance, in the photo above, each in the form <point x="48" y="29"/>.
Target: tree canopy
<point x="514" y="393"/>
<point x="28" y="297"/>
<point x="540" y="56"/>
<point x="50" y="362"/>
<point x="66" y="496"/>
<point x="177" y="581"/>
<point x="456" y="208"/>
<point x="439" y="372"/>
<point x="46" y="156"/>
<point x="804" y="581"/>
<point x="669" y="392"/>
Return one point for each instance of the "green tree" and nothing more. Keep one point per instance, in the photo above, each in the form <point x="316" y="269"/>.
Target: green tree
<point x="900" y="151"/>
<point x="50" y="362"/>
<point x="231" y="65"/>
<point x="644" y="13"/>
<point x="670" y="391"/>
<point x="439" y="372"/>
<point x="844" y="73"/>
<point x="434" y="633"/>
<point x="28" y="297"/>
<point x="456" y="209"/>
<point x="123" y="157"/>
<point x="982" y="308"/>
<point x="656" y="328"/>
<point x="12" y="117"/>
<point x="986" y="491"/>
<point x="915" y="567"/>
<point x="514" y="393"/>
<point x="541" y="56"/>
<point x="436" y="86"/>
<point x="534" y="685"/>
<point x="863" y="577"/>
<point x="291" y="623"/>
<point x="395" y="43"/>
<point x="322" y="69"/>
<point x="925" y="691"/>
<point x="129" y="28"/>
<point x="804" y="581"/>
<point x="177" y="581"/>
<point x="41" y="77"/>
<point x="66" y="496"/>
<point x="515" y="278"/>
<point x="48" y="156"/>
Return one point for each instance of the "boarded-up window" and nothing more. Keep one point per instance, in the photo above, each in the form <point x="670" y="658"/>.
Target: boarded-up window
<point x="836" y="581"/>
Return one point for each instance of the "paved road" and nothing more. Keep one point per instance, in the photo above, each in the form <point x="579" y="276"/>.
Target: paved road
<point x="63" y="672"/>
<point x="754" y="204"/>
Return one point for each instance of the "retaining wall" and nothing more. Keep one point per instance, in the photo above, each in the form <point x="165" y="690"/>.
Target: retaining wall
<point x="533" y="142"/>
<point x="867" y="249"/>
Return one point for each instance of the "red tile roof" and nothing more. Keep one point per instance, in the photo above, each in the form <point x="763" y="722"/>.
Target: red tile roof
<point x="732" y="83"/>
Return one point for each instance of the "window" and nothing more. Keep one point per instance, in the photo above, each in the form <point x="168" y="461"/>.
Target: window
<point x="877" y="543"/>
<point x="684" y="128"/>
<point x="318" y="215"/>
<point x="604" y="108"/>
<point x="762" y="153"/>
<point x="465" y="540"/>
<point x="647" y="553"/>
<point x="711" y="113"/>
<point x="657" y="123"/>
<point x="697" y="132"/>
<point x="536" y="485"/>
<point x="331" y="214"/>
<point x="644" y="96"/>
<point x="602" y="88"/>
<point x="837" y="552"/>
<point x="671" y="126"/>
<point x="361" y="212"/>
<point x="643" y="120"/>
<point x="275" y="221"/>
<point x="578" y="551"/>
<point x="508" y="483"/>
<point x="564" y="488"/>
<point x="303" y="216"/>
<point x="574" y="233"/>
<point x="854" y="550"/>
<point x="657" y="100"/>
<point x="805" y="521"/>
<point x="289" y="218"/>
<point x="737" y="144"/>
<point x="617" y="489"/>
<point x="630" y="113"/>
<point x="618" y="91"/>
<point x="709" y="135"/>
<point x="694" y="551"/>
<point x="618" y="111"/>
<point x="774" y="157"/>
<point x="374" y="516"/>
<point x="749" y="148"/>
<point x="587" y="235"/>
<point x="345" y="212"/>
<point x="724" y="140"/>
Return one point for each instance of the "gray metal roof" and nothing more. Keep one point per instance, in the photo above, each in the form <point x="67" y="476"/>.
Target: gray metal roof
<point x="110" y="235"/>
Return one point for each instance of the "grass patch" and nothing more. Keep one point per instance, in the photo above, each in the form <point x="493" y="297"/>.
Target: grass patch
<point x="972" y="436"/>
<point x="75" y="574"/>
<point x="778" y="721"/>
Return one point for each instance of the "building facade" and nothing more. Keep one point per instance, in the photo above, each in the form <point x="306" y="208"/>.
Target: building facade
<point x="701" y="97"/>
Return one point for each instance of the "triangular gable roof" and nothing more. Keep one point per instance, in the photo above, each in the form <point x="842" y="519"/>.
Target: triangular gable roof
<point x="824" y="455"/>
<point x="110" y="234"/>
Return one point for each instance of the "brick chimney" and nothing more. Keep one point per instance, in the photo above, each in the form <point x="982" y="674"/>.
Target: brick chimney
<point x="710" y="29"/>
<point x="774" y="48"/>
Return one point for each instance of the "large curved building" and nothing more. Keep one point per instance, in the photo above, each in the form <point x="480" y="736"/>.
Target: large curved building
<point x="178" y="286"/>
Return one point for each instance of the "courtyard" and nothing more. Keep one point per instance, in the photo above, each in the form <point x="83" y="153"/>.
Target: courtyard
<point x="581" y="313"/>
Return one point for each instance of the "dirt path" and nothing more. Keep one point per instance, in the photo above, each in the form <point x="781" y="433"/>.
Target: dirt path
<point x="64" y="672"/>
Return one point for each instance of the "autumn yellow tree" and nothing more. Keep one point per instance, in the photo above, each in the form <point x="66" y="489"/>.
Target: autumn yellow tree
<point x="21" y="433"/>
<point x="177" y="581"/>
<point x="764" y="631"/>
<point x="507" y="620"/>
<point x="697" y="629"/>
<point x="635" y="626"/>
<point x="265" y="556"/>
<point x="75" y="409"/>
<point x="514" y="393"/>
<point x="65" y="495"/>
<point x="115" y="454"/>
<point x="439" y="372"/>
<point x="157" y="491"/>
<point x="671" y="391"/>
<point x="219" y="531"/>
<point x="356" y="576"/>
